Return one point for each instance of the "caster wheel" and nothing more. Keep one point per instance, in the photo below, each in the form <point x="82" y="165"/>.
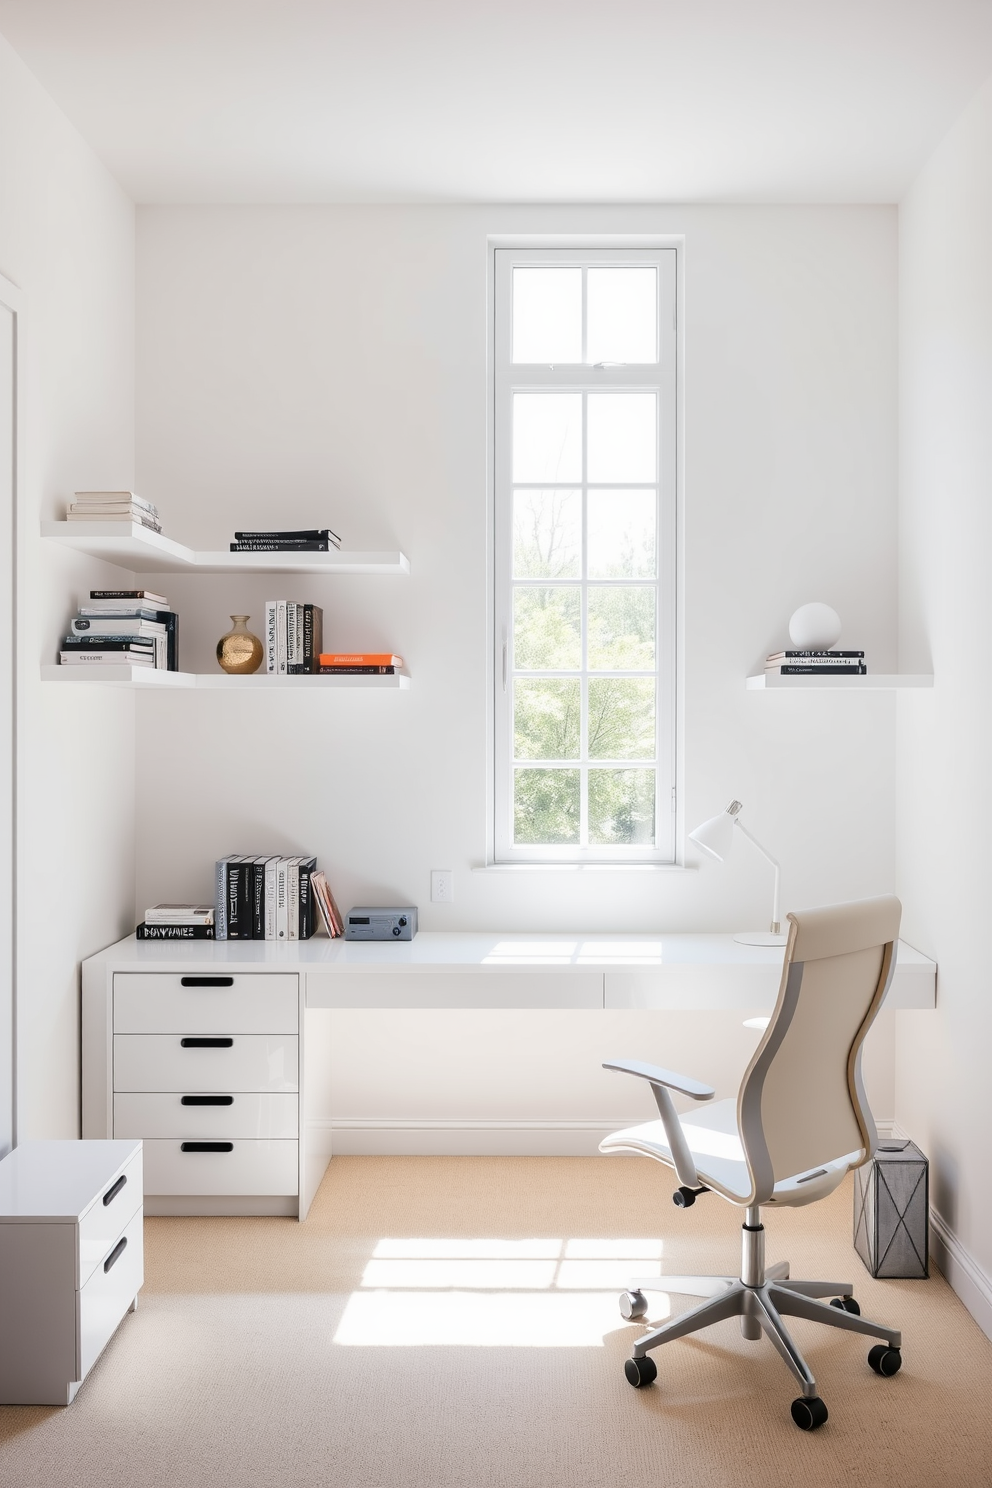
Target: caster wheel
<point x="809" y="1413"/>
<point x="885" y="1360"/>
<point x="683" y="1198"/>
<point x="633" y="1305"/>
<point x="846" y="1304"/>
<point x="640" y="1372"/>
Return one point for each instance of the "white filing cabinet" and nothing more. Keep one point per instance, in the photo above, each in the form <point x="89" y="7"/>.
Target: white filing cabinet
<point x="206" y="1071"/>
<point x="70" y="1262"/>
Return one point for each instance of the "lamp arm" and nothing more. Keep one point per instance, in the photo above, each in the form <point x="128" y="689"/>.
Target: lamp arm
<point x="776" y="916"/>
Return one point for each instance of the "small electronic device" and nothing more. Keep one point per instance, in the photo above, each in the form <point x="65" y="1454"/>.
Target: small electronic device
<point x="379" y="923"/>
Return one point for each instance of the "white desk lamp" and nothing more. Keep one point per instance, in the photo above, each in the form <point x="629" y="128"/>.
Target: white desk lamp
<point x="716" y="837"/>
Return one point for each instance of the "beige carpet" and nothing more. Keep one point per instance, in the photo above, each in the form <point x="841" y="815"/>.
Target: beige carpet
<point x="359" y="1350"/>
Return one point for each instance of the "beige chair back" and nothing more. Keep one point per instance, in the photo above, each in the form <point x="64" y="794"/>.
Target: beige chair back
<point x="802" y="1101"/>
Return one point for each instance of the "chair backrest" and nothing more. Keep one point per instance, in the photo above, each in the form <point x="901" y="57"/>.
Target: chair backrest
<point x="802" y="1101"/>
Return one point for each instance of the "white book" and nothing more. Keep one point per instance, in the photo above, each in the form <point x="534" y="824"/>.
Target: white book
<point x="270" y="898"/>
<point x="282" y="899"/>
<point x="281" y="636"/>
<point x="114" y="497"/>
<point x="180" y="914"/>
<point x="116" y="625"/>
<point x="293" y="898"/>
<point x="96" y="657"/>
<point x="290" y="633"/>
<point x="271" y="606"/>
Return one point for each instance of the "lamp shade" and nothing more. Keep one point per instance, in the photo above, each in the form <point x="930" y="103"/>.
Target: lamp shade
<point x="716" y="836"/>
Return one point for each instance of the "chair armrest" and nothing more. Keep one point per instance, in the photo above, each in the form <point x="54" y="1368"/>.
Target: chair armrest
<point x="684" y="1084"/>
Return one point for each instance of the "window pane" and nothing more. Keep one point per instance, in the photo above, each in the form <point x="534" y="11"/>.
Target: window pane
<point x="545" y="807"/>
<point x="546" y="719"/>
<point x="622" y="439"/>
<point x="547" y="630"/>
<point x="547" y="438"/>
<point x="621" y="534"/>
<point x="621" y="807"/>
<point x="622" y="310"/>
<point x="621" y="629"/>
<point x="621" y="718"/>
<point x="547" y="534"/>
<point x="547" y="315"/>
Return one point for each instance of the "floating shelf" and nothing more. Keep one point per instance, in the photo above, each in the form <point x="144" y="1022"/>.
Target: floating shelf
<point x="131" y="676"/>
<point x="873" y="682"/>
<point x="137" y="548"/>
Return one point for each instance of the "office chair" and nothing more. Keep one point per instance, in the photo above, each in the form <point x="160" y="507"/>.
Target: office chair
<point x="799" y="1124"/>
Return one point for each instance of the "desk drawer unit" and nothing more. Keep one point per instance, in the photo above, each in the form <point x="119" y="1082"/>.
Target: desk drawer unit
<point x="71" y="1262"/>
<point x="207" y="1072"/>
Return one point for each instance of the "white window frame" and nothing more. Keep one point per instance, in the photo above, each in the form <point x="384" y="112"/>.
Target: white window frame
<point x="508" y="378"/>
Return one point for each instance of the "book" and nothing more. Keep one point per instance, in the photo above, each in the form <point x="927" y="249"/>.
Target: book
<point x="293" y="898"/>
<point x="358" y="658"/>
<point x="326" y="905"/>
<point x="270" y="898"/>
<point x="302" y="534"/>
<point x="180" y="914"/>
<point x="271" y="636"/>
<point x="116" y="625"/>
<point x="307" y="917"/>
<point x="317" y="546"/>
<point x="238" y="925"/>
<point x="113" y="498"/>
<point x="175" y="932"/>
<point x="357" y="671"/>
<point x="105" y="596"/>
<point x="282" y="899"/>
<point x="135" y="518"/>
<point x="258" y="897"/>
<point x="281" y="637"/>
<point x="308" y="632"/>
<point x="110" y="643"/>
<point x="818" y="671"/>
<point x="105" y="656"/>
<point x="817" y="655"/>
<point x="220" y="897"/>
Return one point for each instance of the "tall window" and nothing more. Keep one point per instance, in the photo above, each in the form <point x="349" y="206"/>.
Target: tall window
<point x="585" y="481"/>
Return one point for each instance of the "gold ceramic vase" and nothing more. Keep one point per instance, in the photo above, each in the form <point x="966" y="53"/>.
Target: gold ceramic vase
<point x="239" y="652"/>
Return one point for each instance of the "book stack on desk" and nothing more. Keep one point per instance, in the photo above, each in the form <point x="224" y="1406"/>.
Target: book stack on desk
<point x="817" y="663"/>
<point x="130" y="627"/>
<point x="264" y="897"/>
<point x="177" y="922"/>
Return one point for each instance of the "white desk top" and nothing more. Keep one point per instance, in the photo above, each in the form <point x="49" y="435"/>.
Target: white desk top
<point x="631" y="966"/>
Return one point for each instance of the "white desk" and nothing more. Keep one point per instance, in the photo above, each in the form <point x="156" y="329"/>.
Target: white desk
<point x="504" y="999"/>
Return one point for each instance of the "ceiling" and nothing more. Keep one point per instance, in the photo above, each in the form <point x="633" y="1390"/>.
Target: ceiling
<point x="508" y="100"/>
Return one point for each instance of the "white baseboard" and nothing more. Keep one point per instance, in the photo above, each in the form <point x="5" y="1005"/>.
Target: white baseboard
<point x="971" y="1282"/>
<point x="413" y="1137"/>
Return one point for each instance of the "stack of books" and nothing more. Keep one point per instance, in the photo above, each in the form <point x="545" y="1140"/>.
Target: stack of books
<point x="294" y="637"/>
<point x="177" y="922"/>
<point x="113" y="506"/>
<point x="305" y="540"/>
<point x="264" y="897"/>
<point x="359" y="663"/>
<point x="326" y="905"/>
<point x="129" y="627"/>
<point x="817" y="663"/>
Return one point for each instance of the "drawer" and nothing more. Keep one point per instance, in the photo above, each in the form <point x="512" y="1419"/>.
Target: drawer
<point x="208" y="1002"/>
<point x="241" y="1116"/>
<point x="103" y="1223"/>
<point x="108" y="1294"/>
<point x="166" y="1062"/>
<point x="251" y="1167"/>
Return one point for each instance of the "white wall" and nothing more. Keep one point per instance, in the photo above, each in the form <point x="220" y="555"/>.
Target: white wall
<point x="66" y="240"/>
<point x="306" y="365"/>
<point x="944" y="1095"/>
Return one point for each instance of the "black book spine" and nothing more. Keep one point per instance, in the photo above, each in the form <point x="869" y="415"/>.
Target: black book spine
<point x="108" y="643"/>
<point x="306" y="919"/>
<point x="822" y="671"/>
<point x="245" y="917"/>
<point x="300" y="534"/>
<point x="312" y="545"/>
<point x="294" y="623"/>
<point x="308" y="651"/>
<point x="174" y="932"/>
<point x="258" y="899"/>
<point x="170" y="620"/>
<point x="360" y="671"/>
<point x="236" y="927"/>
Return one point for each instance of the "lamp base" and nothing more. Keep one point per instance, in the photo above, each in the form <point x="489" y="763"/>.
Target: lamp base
<point x="760" y="938"/>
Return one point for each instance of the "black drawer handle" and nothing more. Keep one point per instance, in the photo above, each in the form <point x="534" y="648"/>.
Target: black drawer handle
<point x="206" y="981"/>
<point x="205" y="1100"/>
<point x="115" y="1254"/>
<point x="114" y="1189"/>
<point x="206" y="1147"/>
<point x="207" y="1043"/>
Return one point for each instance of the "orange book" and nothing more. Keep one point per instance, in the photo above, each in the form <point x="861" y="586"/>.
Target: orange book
<point x="359" y="658"/>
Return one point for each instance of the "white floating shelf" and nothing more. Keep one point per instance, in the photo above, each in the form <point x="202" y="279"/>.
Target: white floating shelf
<point x="873" y="682"/>
<point x="137" y="548"/>
<point x="131" y="676"/>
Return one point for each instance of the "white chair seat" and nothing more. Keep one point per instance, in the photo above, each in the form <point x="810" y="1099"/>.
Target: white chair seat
<point x="715" y="1144"/>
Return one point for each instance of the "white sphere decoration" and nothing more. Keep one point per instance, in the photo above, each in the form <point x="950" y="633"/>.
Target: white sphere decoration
<point x="814" y="627"/>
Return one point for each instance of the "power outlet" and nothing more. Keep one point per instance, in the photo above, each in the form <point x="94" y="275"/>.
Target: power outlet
<point x="442" y="886"/>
